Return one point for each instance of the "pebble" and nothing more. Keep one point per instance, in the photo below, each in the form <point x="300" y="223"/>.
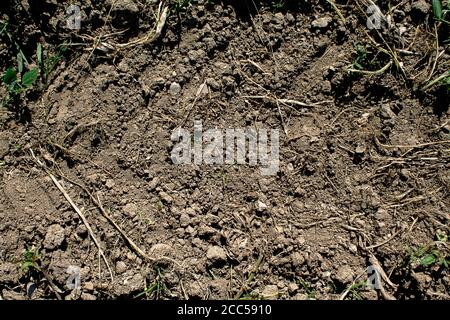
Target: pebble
<point x="260" y="206"/>
<point x="184" y="220"/>
<point x="216" y="254"/>
<point x="292" y="288"/>
<point x="297" y="259"/>
<point x="130" y="209"/>
<point x="54" y="237"/>
<point x="121" y="267"/>
<point x="165" y="197"/>
<point x="344" y="274"/>
<point x="321" y="23"/>
<point x="270" y="292"/>
<point x="110" y="183"/>
<point x="89" y="286"/>
<point x="175" y="88"/>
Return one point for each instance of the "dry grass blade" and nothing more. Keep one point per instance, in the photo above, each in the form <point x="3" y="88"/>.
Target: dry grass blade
<point x="162" y="15"/>
<point x="130" y="242"/>
<point x="78" y="211"/>
<point x="339" y="13"/>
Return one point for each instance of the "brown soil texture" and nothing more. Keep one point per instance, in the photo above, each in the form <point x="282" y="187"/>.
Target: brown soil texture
<point x="364" y="167"/>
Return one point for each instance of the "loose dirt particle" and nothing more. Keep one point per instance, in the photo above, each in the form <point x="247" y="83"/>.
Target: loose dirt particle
<point x="54" y="237"/>
<point x="216" y="255"/>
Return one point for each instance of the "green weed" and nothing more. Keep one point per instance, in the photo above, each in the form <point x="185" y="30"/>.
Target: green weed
<point x="30" y="260"/>
<point x="17" y="82"/>
<point x="47" y="62"/>
<point x="308" y="288"/>
<point x="157" y="288"/>
<point x="251" y="296"/>
<point x="431" y="254"/>
<point x="439" y="13"/>
<point x="356" y="288"/>
<point x="180" y="5"/>
<point x="277" y="5"/>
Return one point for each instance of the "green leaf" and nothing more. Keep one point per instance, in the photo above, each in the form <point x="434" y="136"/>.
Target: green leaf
<point x="29" y="78"/>
<point x="10" y="76"/>
<point x="437" y="9"/>
<point x="39" y="54"/>
<point x="19" y="63"/>
<point x="428" y="260"/>
<point x="3" y="26"/>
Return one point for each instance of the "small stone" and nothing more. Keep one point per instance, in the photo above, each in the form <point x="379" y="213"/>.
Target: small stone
<point x="184" y="220"/>
<point x="195" y="55"/>
<point x="175" y="88"/>
<point x="203" y="89"/>
<point x="161" y="249"/>
<point x="88" y="286"/>
<point x="213" y="84"/>
<point x="153" y="184"/>
<point x="290" y="18"/>
<point x="121" y="267"/>
<point x="130" y="209"/>
<point x="137" y="282"/>
<point x="386" y="112"/>
<point x="300" y="192"/>
<point x="360" y="149"/>
<point x="270" y="292"/>
<point x="344" y="274"/>
<point x="297" y="259"/>
<point x="423" y="279"/>
<point x="210" y="44"/>
<point x="321" y="23"/>
<point x="54" y="237"/>
<point x="279" y="18"/>
<point x="216" y="254"/>
<point x="292" y="288"/>
<point x="189" y="230"/>
<point x="300" y="296"/>
<point x="260" y="206"/>
<point x="158" y="83"/>
<point x="88" y="297"/>
<point x="110" y="183"/>
<point x="165" y="197"/>
<point x="194" y="290"/>
<point x="353" y="248"/>
<point x="404" y="174"/>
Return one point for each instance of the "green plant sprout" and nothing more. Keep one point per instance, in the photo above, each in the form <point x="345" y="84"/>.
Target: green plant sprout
<point x="48" y="62"/>
<point x="157" y="288"/>
<point x="439" y="13"/>
<point x="180" y="5"/>
<point x="432" y="254"/>
<point x="30" y="260"/>
<point x="309" y="290"/>
<point x="17" y="83"/>
<point x="277" y="5"/>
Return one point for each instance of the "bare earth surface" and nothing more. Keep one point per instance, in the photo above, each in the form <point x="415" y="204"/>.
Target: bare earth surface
<point x="364" y="162"/>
